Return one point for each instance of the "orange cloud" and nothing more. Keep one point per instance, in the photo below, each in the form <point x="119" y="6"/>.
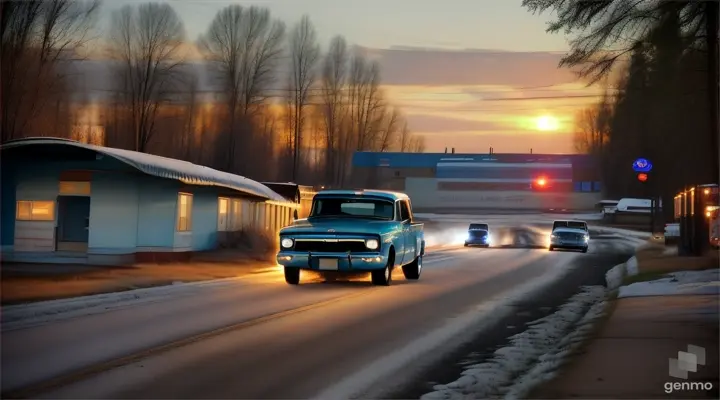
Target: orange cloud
<point x="475" y="97"/>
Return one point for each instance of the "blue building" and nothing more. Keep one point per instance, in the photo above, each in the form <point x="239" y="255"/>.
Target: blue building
<point x="67" y="202"/>
<point x="506" y="172"/>
<point x="452" y="181"/>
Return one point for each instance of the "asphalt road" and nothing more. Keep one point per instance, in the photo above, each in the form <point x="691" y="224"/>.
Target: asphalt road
<point x="259" y="338"/>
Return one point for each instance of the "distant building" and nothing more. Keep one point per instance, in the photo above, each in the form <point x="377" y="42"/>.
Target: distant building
<point x="70" y="202"/>
<point x="483" y="180"/>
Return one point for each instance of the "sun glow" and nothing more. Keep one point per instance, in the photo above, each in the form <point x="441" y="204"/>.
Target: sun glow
<point x="547" y="123"/>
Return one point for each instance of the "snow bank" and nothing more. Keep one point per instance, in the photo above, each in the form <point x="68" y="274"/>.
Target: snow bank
<point x="531" y="355"/>
<point x="614" y="277"/>
<point x="626" y="232"/>
<point x="676" y="283"/>
<point x="631" y="266"/>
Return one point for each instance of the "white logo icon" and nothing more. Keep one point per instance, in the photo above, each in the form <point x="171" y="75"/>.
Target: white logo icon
<point x="687" y="361"/>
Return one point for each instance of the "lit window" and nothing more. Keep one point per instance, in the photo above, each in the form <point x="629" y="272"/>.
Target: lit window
<point x="35" y="211"/>
<point x="184" y="214"/>
<point x="223" y="206"/>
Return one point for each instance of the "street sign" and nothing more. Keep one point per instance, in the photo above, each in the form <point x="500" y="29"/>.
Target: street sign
<point x="642" y="177"/>
<point x="642" y="165"/>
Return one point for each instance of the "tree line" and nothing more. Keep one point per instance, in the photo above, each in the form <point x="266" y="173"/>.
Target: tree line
<point x="259" y="99"/>
<point x="660" y="101"/>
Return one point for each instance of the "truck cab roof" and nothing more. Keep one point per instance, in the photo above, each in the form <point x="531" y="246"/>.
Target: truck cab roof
<point x="383" y="194"/>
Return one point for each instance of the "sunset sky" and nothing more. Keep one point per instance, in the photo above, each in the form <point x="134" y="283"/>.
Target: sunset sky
<point x="459" y="69"/>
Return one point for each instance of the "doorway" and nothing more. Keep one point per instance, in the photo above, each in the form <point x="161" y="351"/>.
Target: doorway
<point x="73" y="223"/>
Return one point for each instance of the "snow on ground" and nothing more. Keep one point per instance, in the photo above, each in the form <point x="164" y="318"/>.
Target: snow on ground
<point x="582" y="217"/>
<point x="676" y="283"/>
<point x="626" y="232"/>
<point x="532" y="356"/>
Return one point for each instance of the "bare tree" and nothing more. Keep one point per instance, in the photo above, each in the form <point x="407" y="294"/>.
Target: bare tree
<point x="592" y="128"/>
<point x="417" y="144"/>
<point x="389" y="130"/>
<point x="146" y="39"/>
<point x="246" y="44"/>
<point x="405" y="140"/>
<point x="39" y="39"/>
<point x="334" y="75"/>
<point x="191" y="83"/>
<point x="304" y="53"/>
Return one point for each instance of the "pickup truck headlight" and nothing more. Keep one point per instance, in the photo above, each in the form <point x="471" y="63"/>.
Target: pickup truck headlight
<point x="286" y="243"/>
<point x="372" y="244"/>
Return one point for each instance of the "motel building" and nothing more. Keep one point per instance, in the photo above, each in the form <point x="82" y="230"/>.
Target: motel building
<point x="64" y="201"/>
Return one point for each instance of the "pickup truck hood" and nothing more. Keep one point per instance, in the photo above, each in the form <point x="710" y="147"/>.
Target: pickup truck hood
<point x="340" y="225"/>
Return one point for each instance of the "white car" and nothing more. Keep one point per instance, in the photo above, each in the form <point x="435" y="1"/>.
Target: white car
<point x="571" y="235"/>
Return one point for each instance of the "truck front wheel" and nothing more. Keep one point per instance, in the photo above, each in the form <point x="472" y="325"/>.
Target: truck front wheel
<point x="383" y="277"/>
<point x="292" y="276"/>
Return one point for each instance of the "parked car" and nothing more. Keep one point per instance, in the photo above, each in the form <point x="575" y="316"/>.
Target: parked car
<point x="571" y="235"/>
<point x="354" y="231"/>
<point x="478" y="235"/>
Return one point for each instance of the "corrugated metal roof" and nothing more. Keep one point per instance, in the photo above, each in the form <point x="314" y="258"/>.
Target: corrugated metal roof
<point x="163" y="167"/>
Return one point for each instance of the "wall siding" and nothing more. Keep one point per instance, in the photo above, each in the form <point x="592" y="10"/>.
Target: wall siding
<point x="204" y="219"/>
<point x="113" y="213"/>
<point x="157" y="213"/>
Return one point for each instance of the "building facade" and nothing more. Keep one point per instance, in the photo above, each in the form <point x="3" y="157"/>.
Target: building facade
<point x="510" y="181"/>
<point x="65" y="201"/>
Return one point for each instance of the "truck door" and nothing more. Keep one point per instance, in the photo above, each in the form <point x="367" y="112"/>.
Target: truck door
<point x="409" y="242"/>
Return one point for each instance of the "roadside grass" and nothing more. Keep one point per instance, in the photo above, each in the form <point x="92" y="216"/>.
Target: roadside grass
<point x="24" y="283"/>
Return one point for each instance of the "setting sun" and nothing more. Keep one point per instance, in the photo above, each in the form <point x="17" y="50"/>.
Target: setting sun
<point x="547" y="123"/>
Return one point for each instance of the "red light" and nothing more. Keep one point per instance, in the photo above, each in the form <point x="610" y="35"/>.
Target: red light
<point x="542" y="182"/>
<point x="642" y="177"/>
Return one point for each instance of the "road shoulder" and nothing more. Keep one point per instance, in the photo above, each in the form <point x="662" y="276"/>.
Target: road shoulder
<point x="630" y="356"/>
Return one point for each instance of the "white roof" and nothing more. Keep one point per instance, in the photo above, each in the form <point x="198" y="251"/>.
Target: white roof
<point x="163" y="167"/>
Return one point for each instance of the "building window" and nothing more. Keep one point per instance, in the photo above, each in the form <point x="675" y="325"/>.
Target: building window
<point x="35" y="211"/>
<point x="184" y="214"/>
<point x="223" y="211"/>
<point x="236" y="215"/>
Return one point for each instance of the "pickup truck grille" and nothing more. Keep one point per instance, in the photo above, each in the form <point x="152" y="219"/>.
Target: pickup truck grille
<point x="569" y="236"/>
<point x="478" y="234"/>
<point x="330" y="247"/>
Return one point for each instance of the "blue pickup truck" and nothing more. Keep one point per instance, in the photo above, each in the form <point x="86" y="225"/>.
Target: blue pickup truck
<point x="354" y="231"/>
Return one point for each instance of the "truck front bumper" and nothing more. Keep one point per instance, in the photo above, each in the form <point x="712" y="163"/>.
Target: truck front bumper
<point x="347" y="262"/>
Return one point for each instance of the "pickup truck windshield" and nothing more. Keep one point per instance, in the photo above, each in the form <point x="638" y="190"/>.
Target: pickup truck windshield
<point x="570" y="224"/>
<point x="357" y="208"/>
